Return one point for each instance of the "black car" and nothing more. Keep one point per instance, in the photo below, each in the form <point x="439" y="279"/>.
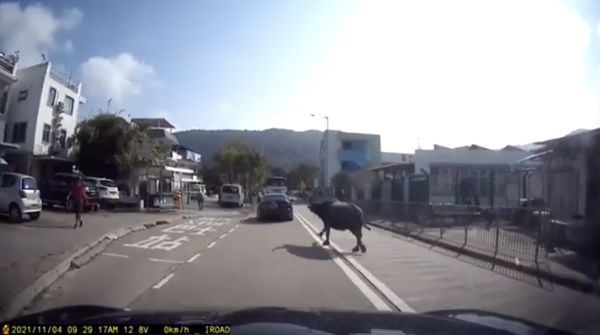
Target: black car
<point x="55" y="191"/>
<point x="275" y="205"/>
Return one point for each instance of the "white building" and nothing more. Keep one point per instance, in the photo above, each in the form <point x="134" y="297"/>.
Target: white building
<point x="350" y="152"/>
<point x="8" y="76"/>
<point x="396" y="157"/>
<point x="43" y="109"/>
<point x="487" y="170"/>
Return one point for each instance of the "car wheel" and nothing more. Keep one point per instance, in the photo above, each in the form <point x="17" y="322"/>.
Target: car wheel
<point x="34" y="216"/>
<point x="290" y="216"/>
<point x="15" y="213"/>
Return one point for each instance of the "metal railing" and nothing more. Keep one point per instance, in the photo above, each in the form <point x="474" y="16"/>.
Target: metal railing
<point x="6" y="65"/>
<point x="61" y="78"/>
<point x="518" y="232"/>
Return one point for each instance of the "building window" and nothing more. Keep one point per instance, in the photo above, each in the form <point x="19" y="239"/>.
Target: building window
<point x="22" y="95"/>
<point x="63" y="138"/>
<point x="8" y="180"/>
<point x="3" y="102"/>
<point x="46" y="134"/>
<point x="347" y="145"/>
<point x="19" y="132"/>
<point x="69" y="102"/>
<point x="51" y="96"/>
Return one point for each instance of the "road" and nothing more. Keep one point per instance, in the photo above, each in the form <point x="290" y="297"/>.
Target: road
<point x="221" y="261"/>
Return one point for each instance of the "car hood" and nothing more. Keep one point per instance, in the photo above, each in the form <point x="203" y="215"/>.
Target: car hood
<point x="276" y="320"/>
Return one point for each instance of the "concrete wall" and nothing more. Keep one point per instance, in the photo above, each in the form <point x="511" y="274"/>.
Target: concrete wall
<point x="424" y="158"/>
<point x="32" y="80"/>
<point x="35" y="110"/>
<point x="335" y="140"/>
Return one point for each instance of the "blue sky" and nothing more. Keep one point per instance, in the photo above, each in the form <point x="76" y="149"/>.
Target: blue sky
<point x="446" y="72"/>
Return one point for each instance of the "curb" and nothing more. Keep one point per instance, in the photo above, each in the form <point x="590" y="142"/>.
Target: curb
<point x="77" y="259"/>
<point x="567" y="281"/>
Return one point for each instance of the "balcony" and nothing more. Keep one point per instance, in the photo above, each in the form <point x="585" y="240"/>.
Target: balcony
<point x="7" y="70"/>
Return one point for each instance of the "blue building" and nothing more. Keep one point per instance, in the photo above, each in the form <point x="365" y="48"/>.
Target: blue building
<point x="350" y="152"/>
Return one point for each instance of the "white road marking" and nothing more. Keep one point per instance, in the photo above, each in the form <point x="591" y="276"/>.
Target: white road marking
<point x="222" y="236"/>
<point x="165" y="260"/>
<point x="212" y="244"/>
<point x="193" y="258"/>
<point x="114" y="255"/>
<point x="384" y="289"/>
<point x="230" y="230"/>
<point x="163" y="281"/>
<point x="354" y="278"/>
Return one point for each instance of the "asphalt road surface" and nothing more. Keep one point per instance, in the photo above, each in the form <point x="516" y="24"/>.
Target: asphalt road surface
<point x="222" y="261"/>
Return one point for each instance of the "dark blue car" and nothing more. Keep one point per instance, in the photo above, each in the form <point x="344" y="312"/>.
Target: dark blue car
<point x="275" y="206"/>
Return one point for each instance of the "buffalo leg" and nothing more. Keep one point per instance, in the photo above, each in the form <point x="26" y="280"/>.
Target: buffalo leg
<point x="322" y="231"/>
<point x="358" y="235"/>
<point x="326" y="242"/>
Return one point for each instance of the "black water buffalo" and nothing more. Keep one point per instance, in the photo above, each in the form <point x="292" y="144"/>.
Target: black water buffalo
<point x="341" y="215"/>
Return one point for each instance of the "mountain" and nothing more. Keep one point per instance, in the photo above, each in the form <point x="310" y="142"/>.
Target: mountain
<point x="283" y="148"/>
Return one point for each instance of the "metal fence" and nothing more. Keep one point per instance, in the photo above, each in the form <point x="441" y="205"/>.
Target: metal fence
<point x="513" y="231"/>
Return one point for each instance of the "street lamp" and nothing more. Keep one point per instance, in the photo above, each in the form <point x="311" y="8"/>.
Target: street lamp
<point x="326" y="135"/>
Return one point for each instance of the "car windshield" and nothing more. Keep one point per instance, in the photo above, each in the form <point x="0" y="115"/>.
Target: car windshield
<point x="433" y="155"/>
<point x="275" y="197"/>
<point x="230" y="189"/>
<point x="107" y="183"/>
<point x="29" y="184"/>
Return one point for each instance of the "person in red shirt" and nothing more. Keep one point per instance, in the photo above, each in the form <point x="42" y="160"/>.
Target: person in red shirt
<point x="79" y="200"/>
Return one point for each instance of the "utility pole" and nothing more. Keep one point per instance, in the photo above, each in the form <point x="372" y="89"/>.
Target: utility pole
<point x="326" y="149"/>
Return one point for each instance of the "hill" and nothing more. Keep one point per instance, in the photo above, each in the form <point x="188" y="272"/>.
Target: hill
<point x="283" y="148"/>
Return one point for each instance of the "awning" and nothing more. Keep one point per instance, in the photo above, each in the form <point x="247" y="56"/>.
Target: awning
<point x="179" y="170"/>
<point x="192" y="180"/>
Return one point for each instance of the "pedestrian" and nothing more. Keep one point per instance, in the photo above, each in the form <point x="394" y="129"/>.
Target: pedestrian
<point x="200" y="200"/>
<point x="79" y="199"/>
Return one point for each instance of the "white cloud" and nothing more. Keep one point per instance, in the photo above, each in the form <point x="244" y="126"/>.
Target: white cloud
<point x="492" y="73"/>
<point x="71" y="18"/>
<point x="118" y="77"/>
<point x="69" y="46"/>
<point x="32" y="30"/>
<point x="224" y="107"/>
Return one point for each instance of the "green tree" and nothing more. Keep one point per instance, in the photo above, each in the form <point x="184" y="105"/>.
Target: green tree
<point x="342" y="182"/>
<point x="301" y="176"/>
<point x="211" y="177"/>
<point x="110" y="146"/>
<point x="277" y="171"/>
<point x="241" y="163"/>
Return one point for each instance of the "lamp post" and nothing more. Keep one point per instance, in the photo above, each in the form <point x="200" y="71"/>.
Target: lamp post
<point x="326" y="136"/>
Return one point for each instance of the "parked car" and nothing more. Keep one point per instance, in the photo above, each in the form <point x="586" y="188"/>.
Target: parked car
<point x="55" y="191"/>
<point x="108" y="192"/>
<point x="231" y="194"/>
<point x="275" y="205"/>
<point x="19" y="194"/>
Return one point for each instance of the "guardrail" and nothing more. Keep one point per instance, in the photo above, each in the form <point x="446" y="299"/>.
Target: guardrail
<point x="515" y="231"/>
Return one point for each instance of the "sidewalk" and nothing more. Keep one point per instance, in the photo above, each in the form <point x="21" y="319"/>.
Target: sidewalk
<point x="31" y="249"/>
<point x="546" y="268"/>
<point x="426" y="278"/>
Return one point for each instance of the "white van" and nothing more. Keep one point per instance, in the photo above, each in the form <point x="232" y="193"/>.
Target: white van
<point x="231" y="194"/>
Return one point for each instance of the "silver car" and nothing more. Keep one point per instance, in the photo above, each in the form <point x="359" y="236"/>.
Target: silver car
<point x="19" y="194"/>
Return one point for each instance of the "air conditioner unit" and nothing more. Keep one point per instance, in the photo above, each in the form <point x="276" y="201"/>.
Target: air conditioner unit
<point x="60" y="106"/>
<point x="39" y="149"/>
